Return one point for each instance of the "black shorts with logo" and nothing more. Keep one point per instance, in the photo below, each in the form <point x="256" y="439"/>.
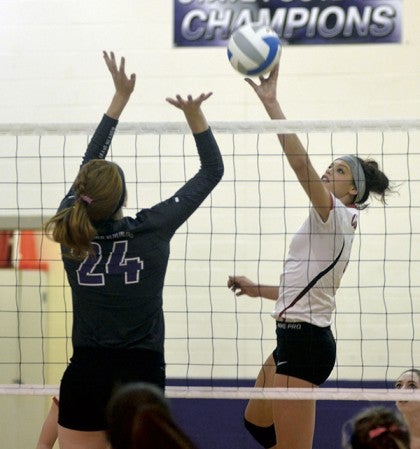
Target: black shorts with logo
<point x="93" y="374"/>
<point x="304" y="351"/>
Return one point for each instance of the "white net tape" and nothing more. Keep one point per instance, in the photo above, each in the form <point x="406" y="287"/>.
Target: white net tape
<point x="335" y="394"/>
<point x="239" y="127"/>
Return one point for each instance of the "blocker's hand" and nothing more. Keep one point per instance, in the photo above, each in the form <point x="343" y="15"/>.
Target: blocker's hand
<point x="192" y="110"/>
<point x="124" y="85"/>
<point x="190" y="104"/>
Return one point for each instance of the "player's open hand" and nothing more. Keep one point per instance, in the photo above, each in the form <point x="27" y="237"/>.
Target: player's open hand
<point x="124" y="85"/>
<point x="190" y="104"/>
<point x="267" y="89"/>
<point x="192" y="110"/>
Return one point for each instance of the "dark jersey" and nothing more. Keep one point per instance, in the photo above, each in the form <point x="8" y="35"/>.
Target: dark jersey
<point x="117" y="295"/>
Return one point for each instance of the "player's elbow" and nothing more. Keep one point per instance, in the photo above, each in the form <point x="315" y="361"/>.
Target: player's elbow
<point x="220" y="172"/>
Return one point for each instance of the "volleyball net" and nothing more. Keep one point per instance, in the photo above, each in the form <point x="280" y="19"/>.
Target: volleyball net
<point x="216" y="342"/>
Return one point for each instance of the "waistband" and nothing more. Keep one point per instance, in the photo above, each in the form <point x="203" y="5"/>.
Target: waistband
<point x="288" y="320"/>
<point x="294" y="324"/>
<point x="290" y="325"/>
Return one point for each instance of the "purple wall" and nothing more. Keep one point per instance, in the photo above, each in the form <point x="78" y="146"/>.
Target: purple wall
<point x="218" y="424"/>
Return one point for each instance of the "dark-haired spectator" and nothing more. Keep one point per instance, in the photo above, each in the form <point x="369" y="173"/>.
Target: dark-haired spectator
<point x="376" y="428"/>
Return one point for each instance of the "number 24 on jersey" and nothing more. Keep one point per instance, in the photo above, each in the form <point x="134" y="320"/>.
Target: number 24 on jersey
<point x="117" y="263"/>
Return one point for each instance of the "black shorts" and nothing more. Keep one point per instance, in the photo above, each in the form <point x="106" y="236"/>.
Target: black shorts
<point x="304" y="351"/>
<point x="93" y="374"/>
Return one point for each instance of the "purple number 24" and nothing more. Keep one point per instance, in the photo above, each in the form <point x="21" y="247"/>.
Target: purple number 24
<point x="117" y="263"/>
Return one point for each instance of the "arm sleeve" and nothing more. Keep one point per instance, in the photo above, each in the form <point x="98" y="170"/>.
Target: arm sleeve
<point x="172" y="213"/>
<point x="101" y="140"/>
<point x="97" y="149"/>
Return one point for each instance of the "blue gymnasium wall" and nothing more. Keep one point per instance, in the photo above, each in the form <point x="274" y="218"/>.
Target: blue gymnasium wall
<point x="217" y="424"/>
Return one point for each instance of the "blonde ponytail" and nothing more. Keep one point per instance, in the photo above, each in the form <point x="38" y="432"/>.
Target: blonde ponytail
<point x="99" y="190"/>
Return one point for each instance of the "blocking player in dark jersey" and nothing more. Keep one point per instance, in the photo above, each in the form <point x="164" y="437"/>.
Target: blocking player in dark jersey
<point x="116" y="267"/>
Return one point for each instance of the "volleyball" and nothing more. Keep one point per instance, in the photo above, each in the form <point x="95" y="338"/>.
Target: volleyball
<point x="254" y="49"/>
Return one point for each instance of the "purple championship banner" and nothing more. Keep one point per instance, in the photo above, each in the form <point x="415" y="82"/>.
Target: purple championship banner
<point x="203" y="23"/>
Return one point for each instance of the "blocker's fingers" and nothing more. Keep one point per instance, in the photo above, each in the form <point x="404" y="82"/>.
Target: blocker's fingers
<point x="122" y="65"/>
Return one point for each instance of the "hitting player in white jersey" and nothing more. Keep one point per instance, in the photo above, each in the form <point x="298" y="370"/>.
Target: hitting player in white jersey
<point x="318" y="256"/>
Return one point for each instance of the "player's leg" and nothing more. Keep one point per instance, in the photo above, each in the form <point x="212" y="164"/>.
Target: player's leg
<point x="76" y="439"/>
<point x="259" y="412"/>
<point x="294" y="421"/>
<point x="304" y="358"/>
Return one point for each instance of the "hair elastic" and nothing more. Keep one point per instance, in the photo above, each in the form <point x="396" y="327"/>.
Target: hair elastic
<point x="86" y="199"/>
<point x="374" y="433"/>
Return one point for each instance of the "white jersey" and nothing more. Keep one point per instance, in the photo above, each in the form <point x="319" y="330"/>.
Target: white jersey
<point x="318" y="256"/>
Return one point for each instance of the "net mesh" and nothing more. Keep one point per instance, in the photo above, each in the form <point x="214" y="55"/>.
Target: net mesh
<point x="214" y="339"/>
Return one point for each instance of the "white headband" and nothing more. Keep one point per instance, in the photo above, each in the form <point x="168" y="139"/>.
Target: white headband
<point x="357" y="173"/>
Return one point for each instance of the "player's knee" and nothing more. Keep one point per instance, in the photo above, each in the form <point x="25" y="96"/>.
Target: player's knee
<point x="266" y="436"/>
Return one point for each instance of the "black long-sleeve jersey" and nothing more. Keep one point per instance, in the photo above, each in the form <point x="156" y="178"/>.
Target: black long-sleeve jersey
<point x="117" y="295"/>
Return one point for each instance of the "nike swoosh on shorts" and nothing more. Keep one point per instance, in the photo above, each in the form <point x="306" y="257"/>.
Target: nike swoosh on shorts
<point x="282" y="363"/>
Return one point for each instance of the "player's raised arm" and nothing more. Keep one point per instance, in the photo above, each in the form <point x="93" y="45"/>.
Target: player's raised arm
<point x="295" y="152"/>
